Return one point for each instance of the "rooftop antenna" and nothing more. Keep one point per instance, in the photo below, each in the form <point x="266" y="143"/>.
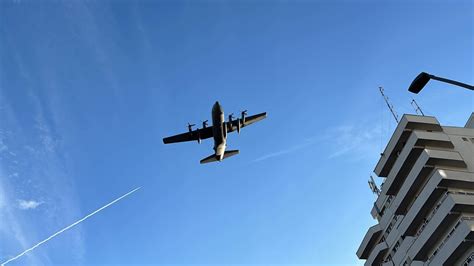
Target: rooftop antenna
<point x="373" y="187"/>
<point x="417" y="107"/>
<point x="390" y="106"/>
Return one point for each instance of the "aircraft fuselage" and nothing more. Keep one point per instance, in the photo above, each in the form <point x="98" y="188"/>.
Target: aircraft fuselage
<point x="219" y="131"/>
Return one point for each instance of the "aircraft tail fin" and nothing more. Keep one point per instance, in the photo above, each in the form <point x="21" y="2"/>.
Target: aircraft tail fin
<point x="214" y="158"/>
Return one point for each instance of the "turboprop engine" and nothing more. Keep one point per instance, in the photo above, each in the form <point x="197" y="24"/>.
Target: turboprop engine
<point x="190" y="129"/>
<point x="239" y="122"/>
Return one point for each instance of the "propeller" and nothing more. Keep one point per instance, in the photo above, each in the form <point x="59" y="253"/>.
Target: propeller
<point x="204" y="124"/>
<point x="243" y="113"/>
<point x="241" y="120"/>
<point x="231" y="116"/>
<point x="190" y="127"/>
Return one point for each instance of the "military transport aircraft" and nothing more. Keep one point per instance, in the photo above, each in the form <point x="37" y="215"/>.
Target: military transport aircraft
<point x="218" y="130"/>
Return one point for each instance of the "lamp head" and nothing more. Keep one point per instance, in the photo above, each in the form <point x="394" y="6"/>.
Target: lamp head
<point x="419" y="82"/>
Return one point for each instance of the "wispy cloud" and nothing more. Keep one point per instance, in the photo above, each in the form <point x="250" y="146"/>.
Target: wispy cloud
<point x="10" y="226"/>
<point x="28" y="204"/>
<point x="3" y="146"/>
<point x="294" y="148"/>
<point x="42" y="160"/>
<point x="357" y="140"/>
<point x="68" y="227"/>
<point x="34" y="162"/>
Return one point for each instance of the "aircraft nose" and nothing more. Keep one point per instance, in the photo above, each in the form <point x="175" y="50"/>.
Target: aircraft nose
<point x="217" y="107"/>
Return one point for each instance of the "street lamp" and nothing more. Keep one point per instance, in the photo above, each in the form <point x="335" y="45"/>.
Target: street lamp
<point x="420" y="81"/>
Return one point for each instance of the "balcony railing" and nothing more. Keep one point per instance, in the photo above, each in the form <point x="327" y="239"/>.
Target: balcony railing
<point x="433" y="212"/>
<point x="390" y="226"/>
<point x="435" y="209"/>
<point x="448" y="236"/>
<point x="468" y="260"/>
<point x="427" y="179"/>
<point x="465" y="193"/>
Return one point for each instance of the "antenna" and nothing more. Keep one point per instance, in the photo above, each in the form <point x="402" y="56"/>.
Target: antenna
<point x="373" y="187"/>
<point x="390" y="106"/>
<point x="417" y="107"/>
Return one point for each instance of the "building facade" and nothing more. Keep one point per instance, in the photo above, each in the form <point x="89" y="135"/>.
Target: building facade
<point x="425" y="206"/>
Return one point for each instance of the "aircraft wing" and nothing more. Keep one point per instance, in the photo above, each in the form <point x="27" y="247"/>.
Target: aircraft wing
<point x="202" y="133"/>
<point x="248" y="121"/>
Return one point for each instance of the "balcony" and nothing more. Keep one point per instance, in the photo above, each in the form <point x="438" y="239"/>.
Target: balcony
<point x="405" y="160"/>
<point x="419" y="174"/>
<point x="426" y="157"/>
<point x="400" y="136"/>
<point x="401" y="253"/>
<point x="430" y="195"/>
<point x="444" y="217"/>
<point x="455" y="243"/>
<point x="392" y="235"/>
<point x="370" y="239"/>
<point x="376" y="256"/>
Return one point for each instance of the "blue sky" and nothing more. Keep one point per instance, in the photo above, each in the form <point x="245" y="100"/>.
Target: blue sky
<point x="88" y="90"/>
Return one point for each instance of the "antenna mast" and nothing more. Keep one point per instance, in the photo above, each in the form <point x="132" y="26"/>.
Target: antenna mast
<point x="417" y="107"/>
<point x="373" y="187"/>
<point x="390" y="106"/>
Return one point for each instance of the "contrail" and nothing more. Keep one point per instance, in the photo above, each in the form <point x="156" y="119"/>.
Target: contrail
<point x="68" y="227"/>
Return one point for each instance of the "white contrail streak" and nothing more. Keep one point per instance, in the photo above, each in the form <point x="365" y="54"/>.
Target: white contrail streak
<point x="68" y="227"/>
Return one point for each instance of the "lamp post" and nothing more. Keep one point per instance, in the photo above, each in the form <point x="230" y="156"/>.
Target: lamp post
<point x="420" y="81"/>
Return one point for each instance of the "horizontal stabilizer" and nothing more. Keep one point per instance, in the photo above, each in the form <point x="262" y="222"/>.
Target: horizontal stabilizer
<point x="210" y="158"/>
<point x="227" y="154"/>
<point x="215" y="158"/>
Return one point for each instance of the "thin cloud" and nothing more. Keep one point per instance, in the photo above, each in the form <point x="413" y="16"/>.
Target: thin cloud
<point x="3" y="146"/>
<point x="10" y="226"/>
<point x="275" y="154"/>
<point x="358" y="141"/>
<point x="43" y="160"/>
<point x="9" y="223"/>
<point x="68" y="227"/>
<point x="285" y="151"/>
<point x="28" y="204"/>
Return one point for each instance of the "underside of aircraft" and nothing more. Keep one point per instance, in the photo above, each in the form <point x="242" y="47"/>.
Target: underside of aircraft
<point x="218" y="131"/>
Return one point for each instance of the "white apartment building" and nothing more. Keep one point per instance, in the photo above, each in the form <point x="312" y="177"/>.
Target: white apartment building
<point x="425" y="209"/>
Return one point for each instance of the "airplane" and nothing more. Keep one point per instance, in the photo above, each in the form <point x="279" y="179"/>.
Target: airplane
<point x="218" y="130"/>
